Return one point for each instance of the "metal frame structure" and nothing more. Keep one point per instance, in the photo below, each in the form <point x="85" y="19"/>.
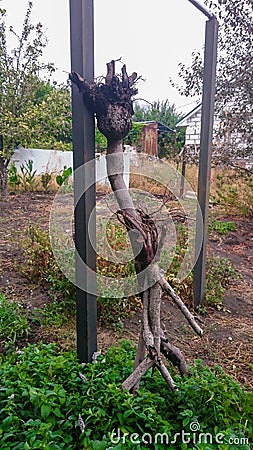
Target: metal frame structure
<point x="82" y="61"/>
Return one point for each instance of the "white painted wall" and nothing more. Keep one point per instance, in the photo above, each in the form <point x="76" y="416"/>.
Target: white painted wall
<point x="53" y="161"/>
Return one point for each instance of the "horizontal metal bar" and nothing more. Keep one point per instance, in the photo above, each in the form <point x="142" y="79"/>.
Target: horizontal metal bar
<point x="202" y="8"/>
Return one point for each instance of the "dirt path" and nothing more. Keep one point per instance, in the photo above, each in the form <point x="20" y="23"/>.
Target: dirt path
<point x="228" y="337"/>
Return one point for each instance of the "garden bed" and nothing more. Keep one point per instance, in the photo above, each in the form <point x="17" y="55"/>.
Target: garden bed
<point x="228" y="332"/>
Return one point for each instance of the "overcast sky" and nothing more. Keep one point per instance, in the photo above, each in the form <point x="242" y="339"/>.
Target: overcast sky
<point x="152" y="37"/>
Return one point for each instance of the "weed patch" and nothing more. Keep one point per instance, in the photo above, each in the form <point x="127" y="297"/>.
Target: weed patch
<point x="220" y="227"/>
<point x="234" y="192"/>
<point x="220" y="272"/>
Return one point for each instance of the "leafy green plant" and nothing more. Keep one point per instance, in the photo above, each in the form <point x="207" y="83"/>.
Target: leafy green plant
<point x="28" y="175"/>
<point x="13" y="176"/>
<point x="48" y="400"/>
<point x="45" y="180"/>
<point x="13" y="321"/>
<point x="63" y="178"/>
<point x="220" y="227"/>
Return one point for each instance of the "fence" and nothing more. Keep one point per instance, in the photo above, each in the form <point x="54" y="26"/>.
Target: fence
<point x="53" y="161"/>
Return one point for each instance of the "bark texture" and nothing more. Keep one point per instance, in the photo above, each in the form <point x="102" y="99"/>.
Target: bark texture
<point x="111" y="101"/>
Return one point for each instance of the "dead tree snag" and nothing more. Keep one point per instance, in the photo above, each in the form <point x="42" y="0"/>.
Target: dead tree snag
<point x="111" y="101"/>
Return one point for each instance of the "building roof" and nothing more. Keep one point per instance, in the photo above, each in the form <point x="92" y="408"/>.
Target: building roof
<point x="182" y="122"/>
<point x="164" y="129"/>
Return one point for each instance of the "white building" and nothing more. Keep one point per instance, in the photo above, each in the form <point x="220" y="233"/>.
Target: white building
<point x="225" y="144"/>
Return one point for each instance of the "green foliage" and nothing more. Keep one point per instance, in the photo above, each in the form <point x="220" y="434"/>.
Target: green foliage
<point x="220" y="227"/>
<point x="20" y="71"/>
<point x="63" y="178"/>
<point x="51" y="121"/>
<point x="38" y="254"/>
<point x="13" y="176"/>
<point x="50" y="401"/>
<point x="33" y="112"/>
<point x="158" y="111"/>
<point x="13" y="321"/>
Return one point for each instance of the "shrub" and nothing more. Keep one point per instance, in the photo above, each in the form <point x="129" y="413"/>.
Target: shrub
<point x="13" y="321"/>
<point x="220" y="273"/>
<point x="50" y="401"/>
<point x="40" y="267"/>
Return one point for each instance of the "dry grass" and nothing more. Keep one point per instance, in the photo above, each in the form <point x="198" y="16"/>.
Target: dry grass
<point x="138" y="181"/>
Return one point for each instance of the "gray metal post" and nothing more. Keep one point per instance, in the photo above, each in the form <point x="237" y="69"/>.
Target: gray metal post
<point x="82" y="61"/>
<point x="210" y="57"/>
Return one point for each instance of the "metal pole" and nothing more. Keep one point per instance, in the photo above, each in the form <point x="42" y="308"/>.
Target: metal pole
<point x="82" y="62"/>
<point x="210" y="57"/>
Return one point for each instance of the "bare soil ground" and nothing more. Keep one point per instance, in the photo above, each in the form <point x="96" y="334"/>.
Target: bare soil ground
<point x="228" y="334"/>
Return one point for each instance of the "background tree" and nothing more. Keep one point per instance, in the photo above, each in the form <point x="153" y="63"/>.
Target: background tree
<point x="31" y="110"/>
<point x="234" y="88"/>
<point x="164" y="112"/>
<point x="51" y="122"/>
